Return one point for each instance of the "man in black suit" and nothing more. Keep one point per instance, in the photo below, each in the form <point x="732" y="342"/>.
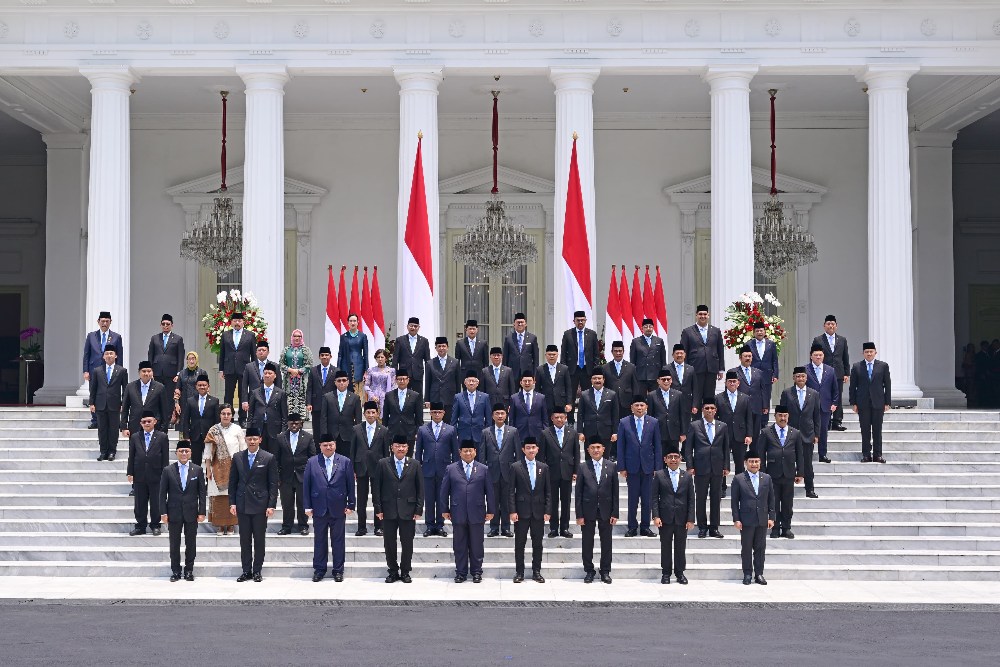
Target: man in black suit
<point x="528" y="413"/>
<point x="579" y="352"/>
<point x="596" y="508"/>
<point x="824" y="379"/>
<point x="253" y="495"/>
<point x="649" y="354"/>
<point x="145" y="394"/>
<point x="703" y="344"/>
<point x="398" y="497"/>
<point x="182" y="493"/>
<point x="500" y="445"/>
<point x="199" y="414"/>
<point x="148" y="455"/>
<point x="554" y="381"/>
<point x="871" y="396"/>
<point x="673" y="514"/>
<point x="765" y="354"/>
<point x="683" y="375"/>
<point x="94" y="345"/>
<point x="561" y="451"/>
<point x="753" y="515"/>
<point x="321" y="383"/>
<point x="520" y="348"/>
<point x="598" y="412"/>
<point x="369" y="444"/>
<point x="470" y="351"/>
<point x="236" y="349"/>
<point x="497" y="380"/>
<point x="293" y="449"/>
<point x="442" y="377"/>
<point x="780" y="447"/>
<point x="804" y="414"/>
<point x="404" y="409"/>
<point x="835" y="354"/>
<point x="667" y="405"/>
<point x="465" y="487"/>
<point x="706" y="455"/>
<point x="166" y="353"/>
<point x="756" y="386"/>
<point x="733" y="408"/>
<point x="436" y="449"/>
<point x="253" y="376"/>
<point x="529" y="499"/>
<point x="107" y="389"/>
<point x="268" y="409"/>
<point x="341" y="412"/>
<point x="619" y="377"/>
<point x="411" y="352"/>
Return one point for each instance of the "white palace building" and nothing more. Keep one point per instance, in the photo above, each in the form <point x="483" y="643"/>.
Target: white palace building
<point x="888" y="152"/>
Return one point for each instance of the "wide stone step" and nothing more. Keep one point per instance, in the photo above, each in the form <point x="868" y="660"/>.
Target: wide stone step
<point x="936" y="435"/>
<point x="943" y="489"/>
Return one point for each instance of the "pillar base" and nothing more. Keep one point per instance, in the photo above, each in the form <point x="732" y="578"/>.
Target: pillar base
<point x="53" y="395"/>
<point x="946" y="397"/>
<point x="908" y="392"/>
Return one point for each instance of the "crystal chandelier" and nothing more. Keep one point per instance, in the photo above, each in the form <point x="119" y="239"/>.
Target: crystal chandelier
<point x="217" y="241"/>
<point x="494" y="245"/>
<point x="779" y="246"/>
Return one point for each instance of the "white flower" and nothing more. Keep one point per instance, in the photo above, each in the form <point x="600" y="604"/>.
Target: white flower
<point x="234" y="294"/>
<point x="776" y="303"/>
<point x="252" y="300"/>
<point x="221" y="297"/>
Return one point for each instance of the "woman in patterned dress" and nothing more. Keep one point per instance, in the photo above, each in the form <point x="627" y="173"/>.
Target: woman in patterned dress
<point x="295" y="361"/>
<point x="379" y="380"/>
<point x="224" y="441"/>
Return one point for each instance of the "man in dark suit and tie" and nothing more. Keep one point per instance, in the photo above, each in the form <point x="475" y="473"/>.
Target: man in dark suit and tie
<point x="753" y="515"/>
<point x="200" y="413"/>
<point x="824" y="379"/>
<point x="706" y="455"/>
<point x="640" y="454"/>
<point x="404" y="409"/>
<point x="370" y="443"/>
<point x="236" y="349"/>
<point x="497" y="380"/>
<point x="780" y="447"/>
<point x="442" y="377"/>
<point x="529" y="499"/>
<point x="94" y="345"/>
<point x="579" y="352"/>
<point x="520" y="348"/>
<point x="554" y="381"/>
<point x="619" y="377"/>
<point x="253" y="375"/>
<point x="765" y="359"/>
<point x="673" y="514"/>
<point x="667" y="406"/>
<point x="871" y="396"/>
<point x="683" y="375"/>
<point x="733" y="410"/>
<point x="804" y="414"/>
<point x="268" y="408"/>
<point x="757" y="388"/>
<point x="437" y="448"/>
<point x="596" y="496"/>
<point x="107" y="389"/>
<point x="341" y="412"/>
<point x="253" y="495"/>
<point x="703" y="344"/>
<point x="145" y="394"/>
<point x="321" y="382"/>
<point x="470" y="351"/>
<point x="835" y="354"/>
<point x="598" y="412"/>
<point x="328" y="487"/>
<point x="528" y="413"/>
<point x="500" y="444"/>
<point x="411" y="352"/>
<point x="294" y="448"/>
<point x="166" y="353"/>
<point x="467" y="500"/>
<point x="148" y="455"/>
<point x="398" y="496"/>
<point x="470" y="409"/>
<point x="182" y="493"/>
<point x="649" y="354"/>
<point x="561" y="450"/>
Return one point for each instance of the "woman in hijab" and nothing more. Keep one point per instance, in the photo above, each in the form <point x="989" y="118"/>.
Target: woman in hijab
<point x="295" y="361"/>
<point x="186" y="380"/>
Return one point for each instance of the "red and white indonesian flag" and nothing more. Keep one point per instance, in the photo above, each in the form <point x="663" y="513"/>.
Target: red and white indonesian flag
<point x="660" y="302"/>
<point x="416" y="263"/>
<point x="625" y="307"/>
<point x="367" y="323"/>
<point x="342" y="304"/>
<point x="648" y="309"/>
<point x="378" y="333"/>
<point x="576" y="246"/>
<point x="637" y="313"/>
<point x="613" y="315"/>
<point x="331" y="321"/>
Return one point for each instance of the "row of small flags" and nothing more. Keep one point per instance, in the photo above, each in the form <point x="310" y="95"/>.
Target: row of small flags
<point x="367" y="306"/>
<point x="626" y="311"/>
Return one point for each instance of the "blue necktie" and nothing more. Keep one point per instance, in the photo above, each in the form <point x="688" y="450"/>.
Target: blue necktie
<point x="869" y="370"/>
<point x="325" y="371"/>
<point x="559" y="437"/>
<point x="673" y="479"/>
<point x="666" y="399"/>
<point x="267" y="399"/>
<point x="704" y="336"/>
<point x="236" y="338"/>
<point x="184" y="477"/>
<point x="166" y="337"/>
<point x="499" y="438"/>
<point x="638" y="428"/>
<point x="746" y="371"/>
<point x="437" y="431"/>
<point x="468" y="472"/>
<point x="781" y="436"/>
<point x="802" y="399"/>
<point x="597" y="471"/>
<point x="520" y="341"/>
<point x="399" y="469"/>
<point x="496" y="375"/>
<point x="579" y="346"/>
<point x="251" y="458"/>
<point x="597" y="398"/>
<point x="710" y="431"/>
<point x="109" y="374"/>
<point x="756" y="483"/>
<point x="201" y="406"/>
<point x="341" y="395"/>
<point x="147" y="441"/>
<point x="104" y="341"/>
<point x="531" y="474"/>
<point x="680" y="373"/>
<point x="329" y="469"/>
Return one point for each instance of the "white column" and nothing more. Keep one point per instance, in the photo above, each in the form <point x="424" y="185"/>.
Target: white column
<point x="890" y="242"/>
<point x="689" y="223"/>
<point x="109" y="275"/>
<point x="303" y="273"/>
<point x="934" y="267"/>
<point x="264" y="196"/>
<point x="418" y="113"/>
<point x="732" y="194"/>
<point x="574" y="113"/>
<point x="65" y="217"/>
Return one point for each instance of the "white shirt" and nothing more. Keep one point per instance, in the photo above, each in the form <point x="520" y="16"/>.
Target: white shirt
<point x="552" y="372"/>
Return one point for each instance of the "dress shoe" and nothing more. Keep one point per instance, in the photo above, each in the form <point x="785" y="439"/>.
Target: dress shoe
<point x="518" y="578"/>
<point x="646" y="532"/>
<point x="379" y="532"/>
<point x="747" y="579"/>
<point x="553" y="533"/>
<point x="631" y="532"/>
<point x="257" y="577"/>
<point x="338" y="577"/>
<point x="493" y="533"/>
<point x="789" y="534"/>
<point x="100" y="457"/>
<point x="878" y="459"/>
<point x="318" y="576"/>
<point x="566" y="533"/>
<point x="285" y="531"/>
<point x="760" y="580"/>
<point x="775" y="532"/>
<point x="175" y="577"/>
<point x="189" y="576"/>
<point x="136" y="531"/>
<point x="715" y="533"/>
<point x="459" y="578"/>
<point x="131" y="493"/>
<point x="537" y="576"/>
<point x="430" y="533"/>
<point x="304" y="531"/>
<point x="702" y="533"/>
<point x="477" y="578"/>
<point x="811" y="494"/>
<point x="246" y="576"/>
<point x="866" y="459"/>
<point x="111" y="457"/>
<point x="392" y="578"/>
<point x="838" y="427"/>
<point x="605" y="577"/>
<point x="441" y="532"/>
<point x="507" y="533"/>
<point x="92" y="425"/>
<point x="156" y="532"/>
<point x="405" y="578"/>
<point x="681" y="579"/>
<point x="361" y="532"/>
<point x="665" y="579"/>
<point x="589" y="578"/>
<point x="825" y="459"/>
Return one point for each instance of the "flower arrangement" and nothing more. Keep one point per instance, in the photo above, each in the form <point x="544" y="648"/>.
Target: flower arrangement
<point x="219" y="317"/>
<point x="600" y="361"/>
<point x="31" y="340"/>
<point x="744" y="312"/>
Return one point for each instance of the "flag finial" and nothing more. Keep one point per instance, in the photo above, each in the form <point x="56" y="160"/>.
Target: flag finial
<point x="420" y="134"/>
<point x="575" y="136"/>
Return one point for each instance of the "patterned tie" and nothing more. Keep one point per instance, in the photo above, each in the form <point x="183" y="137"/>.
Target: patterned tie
<point x="472" y="346"/>
<point x="147" y="440"/>
<point x="437" y="430"/>
<point x="184" y="477"/>
<point x="520" y="342"/>
<point x="559" y="436"/>
<point x="704" y="335"/>
<point x="781" y="436"/>
<point x="597" y="471"/>
<point x="666" y="399"/>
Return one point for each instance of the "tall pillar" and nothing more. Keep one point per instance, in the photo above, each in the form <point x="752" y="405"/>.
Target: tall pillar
<point x="264" y="196"/>
<point x="418" y="113"/>
<point x="65" y="217"/>
<point x="574" y="113"/>
<point x="890" y="242"/>
<point x="732" y="194"/>
<point x="109" y="276"/>
<point x="689" y="223"/>
<point x="934" y="267"/>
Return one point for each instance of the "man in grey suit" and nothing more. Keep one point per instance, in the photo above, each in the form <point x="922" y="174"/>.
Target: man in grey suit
<point x="598" y="411"/>
<point x="836" y="355"/>
<point x="148" y="455"/>
<point x="253" y="495"/>
<point x="236" y="349"/>
<point x="871" y="396"/>
<point x="94" y="345"/>
<point x="520" y="348"/>
<point x="528" y="500"/>
<point x="562" y="454"/>
<point x="341" y="412"/>
<point x="706" y="454"/>
<point x="442" y="377"/>
<point x="596" y="496"/>
<point x="470" y="350"/>
<point x="804" y="414"/>
<point x="166" y="353"/>
<point x="253" y="375"/>
<point x="765" y="358"/>
<point x="107" y="390"/>
<point x="463" y="491"/>
<point x="733" y="409"/>
<point x="500" y="447"/>
<point x="703" y="344"/>
<point x="398" y="497"/>
<point x="619" y="376"/>
<point x="370" y="443"/>
<point x="753" y="516"/>
<point x="579" y="352"/>
<point x="269" y="409"/>
<point x="183" y="491"/>
<point x="780" y="447"/>
<point x="411" y="352"/>
<point x="756" y="386"/>
<point x="497" y="380"/>
<point x="673" y="514"/>
<point x="649" y="354"/>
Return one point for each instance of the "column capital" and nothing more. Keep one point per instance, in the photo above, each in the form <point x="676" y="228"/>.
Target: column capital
<point x="887" y="77"/>
<point x="110" y="77"/>
<point x="730" y="77"/>
<point x="426" y="79"/>
<point x="65" y="140"/>
<point x="574" y="78"/>
<point x="932" y="139"/>
<point x="263" y="77"/>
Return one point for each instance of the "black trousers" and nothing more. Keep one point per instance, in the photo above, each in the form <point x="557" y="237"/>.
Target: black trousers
<point x="107" y="431"/>
<point x="753" y="540"/>
<point x="267" y="441"/>
<point x="708" y="489"/>
<point x="197" y="449"/>
<point x="168" y="385"/>
<point x="603" y="528"/>
<point x="232" y="382"/>
<point x="838" y="415"/>
<point x="364" y="488"/>
<point x="501" y="520"/>
<point x="190" y="530"/>
<point x="871" y="430"/>
<point x="675" y="559"/>
<point x="824" y="431"/>
<point x="807" y="461"/>
<point x="468" y="542"/>
<point x="407" y="528"/>
<point x="252" y="528"/>
<point x="739" y="450"/>
<point x="559" y="507"/>
<point x="525" y="525"/>
<point x="147" y="498"/>
<point x="704" y="388"/>
<point x="292" y="506"/>
<point x="432" y="508"/>
<point x="784" y="494"/>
